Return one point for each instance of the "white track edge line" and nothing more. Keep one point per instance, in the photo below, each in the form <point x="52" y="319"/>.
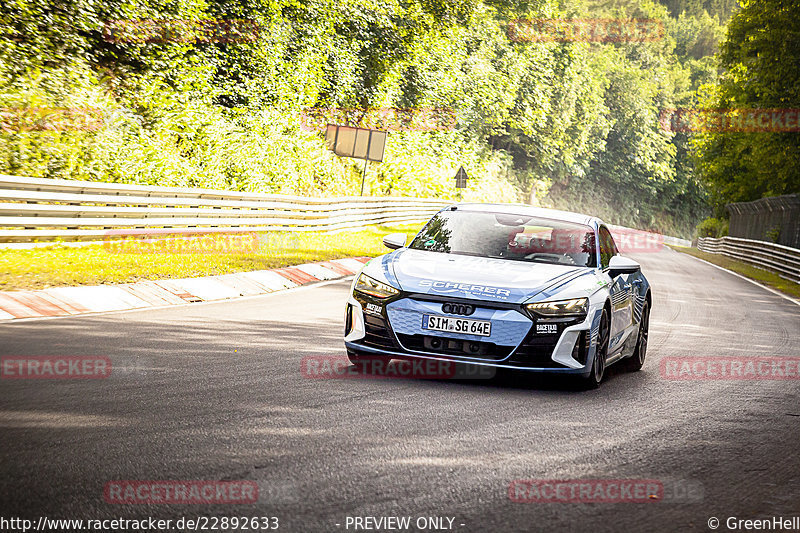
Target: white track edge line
<point x="754" y="282"/>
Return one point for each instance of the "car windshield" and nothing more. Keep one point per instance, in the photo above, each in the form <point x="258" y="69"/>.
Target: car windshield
<point x="508" y="236"/>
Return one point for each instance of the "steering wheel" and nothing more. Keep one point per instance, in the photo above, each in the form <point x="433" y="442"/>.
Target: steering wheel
<point x="554" y="258"/>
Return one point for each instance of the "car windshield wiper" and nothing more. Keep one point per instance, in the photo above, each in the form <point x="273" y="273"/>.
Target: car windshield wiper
<point x="550" y="261"/>
<point x="475" y="254"/>
<point x="542" y="260"/>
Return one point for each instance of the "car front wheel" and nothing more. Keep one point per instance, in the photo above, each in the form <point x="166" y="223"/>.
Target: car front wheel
<point x="635" y="362"/>
<point x="592" y="381"/>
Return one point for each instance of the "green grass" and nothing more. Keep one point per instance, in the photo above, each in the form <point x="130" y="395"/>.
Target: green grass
<point x="59" y="265"/>
<point x="765" y="277"/>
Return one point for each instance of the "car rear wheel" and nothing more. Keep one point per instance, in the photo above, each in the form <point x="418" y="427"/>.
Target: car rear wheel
<point x="592" y="381"/>
<point x="635" y="362"/>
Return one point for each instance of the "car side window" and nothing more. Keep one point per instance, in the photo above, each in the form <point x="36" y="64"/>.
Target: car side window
<point x="607" y="247"/>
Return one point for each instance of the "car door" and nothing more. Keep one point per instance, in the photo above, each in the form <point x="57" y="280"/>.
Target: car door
<point x="620" y="292"/>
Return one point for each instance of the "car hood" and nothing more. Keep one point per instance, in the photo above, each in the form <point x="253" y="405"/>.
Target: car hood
<point x="478" y="278"/>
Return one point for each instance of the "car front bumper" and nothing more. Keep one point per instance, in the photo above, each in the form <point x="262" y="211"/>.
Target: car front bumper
<point x="393" y="329"/>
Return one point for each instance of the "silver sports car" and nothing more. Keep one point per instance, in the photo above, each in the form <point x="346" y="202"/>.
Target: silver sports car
<point x="508" y="286"/>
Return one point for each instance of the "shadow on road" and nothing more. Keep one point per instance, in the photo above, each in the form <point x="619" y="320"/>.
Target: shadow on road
<point x="493" y="378"/>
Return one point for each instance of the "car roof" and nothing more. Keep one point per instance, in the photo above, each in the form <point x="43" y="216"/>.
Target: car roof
<point x="529" y="210"/>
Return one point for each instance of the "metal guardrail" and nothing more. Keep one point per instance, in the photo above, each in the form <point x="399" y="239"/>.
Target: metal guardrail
<point x="47" y="209"/>
<point x="783" y="260"/>
<point x="36" y="209"/>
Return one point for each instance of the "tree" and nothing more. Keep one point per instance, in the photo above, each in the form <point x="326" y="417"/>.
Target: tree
<point x="760" y="59"/>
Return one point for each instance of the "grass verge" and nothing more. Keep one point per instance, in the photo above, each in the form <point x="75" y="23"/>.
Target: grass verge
<point x="770" y="279"/>
<point x="59" y="265"/>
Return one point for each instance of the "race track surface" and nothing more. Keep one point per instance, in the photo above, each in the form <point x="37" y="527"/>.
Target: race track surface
<point x="215" y="392"/>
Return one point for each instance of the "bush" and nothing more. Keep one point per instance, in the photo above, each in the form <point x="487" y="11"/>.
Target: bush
<point x="187" y="141"/>
<point x="712" y="227"/>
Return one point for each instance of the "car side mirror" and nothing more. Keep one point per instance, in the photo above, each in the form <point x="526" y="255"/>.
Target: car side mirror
<point x="394" y="240"/>
<point x="622" y="265"/>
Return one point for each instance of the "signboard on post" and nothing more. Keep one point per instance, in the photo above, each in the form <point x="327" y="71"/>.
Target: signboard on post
<point x="361" y="143"/>
<point x="461" y="178"/>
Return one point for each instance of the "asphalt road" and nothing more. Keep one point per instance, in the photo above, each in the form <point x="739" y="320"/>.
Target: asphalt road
<point x="215" y="392"/>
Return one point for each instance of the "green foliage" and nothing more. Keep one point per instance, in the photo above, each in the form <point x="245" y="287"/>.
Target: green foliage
<point x="760" y="59"/>
<point x="712" y="227"/>
<point x="563" y="124"/>
<point x="774" y="234"/>
<point x="721" y="9"/>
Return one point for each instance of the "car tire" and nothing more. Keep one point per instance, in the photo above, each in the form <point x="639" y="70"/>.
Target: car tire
<point x="595" y="377"/>
<point x="635" y="362"/>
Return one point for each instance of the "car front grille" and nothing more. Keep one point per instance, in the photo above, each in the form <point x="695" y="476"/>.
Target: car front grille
<point x="536" y="352"/>
<point x="537" y="348"/>
<point x="457" y="347"/>
<point x="377" y="333"/>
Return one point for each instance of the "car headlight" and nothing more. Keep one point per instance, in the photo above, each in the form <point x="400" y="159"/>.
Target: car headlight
<point x="576" y="307"/>
<point x="373" y="287"/>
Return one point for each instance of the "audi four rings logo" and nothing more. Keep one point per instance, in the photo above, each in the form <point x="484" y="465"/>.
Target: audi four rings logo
<point x="458" y="309"/>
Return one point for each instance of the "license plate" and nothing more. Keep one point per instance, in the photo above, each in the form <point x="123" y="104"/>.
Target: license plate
<point x="457" y="325"/>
